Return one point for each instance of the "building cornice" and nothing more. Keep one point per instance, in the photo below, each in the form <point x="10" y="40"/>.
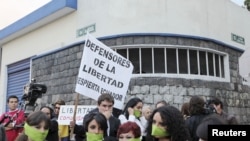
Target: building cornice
<point x="42" y="16"/>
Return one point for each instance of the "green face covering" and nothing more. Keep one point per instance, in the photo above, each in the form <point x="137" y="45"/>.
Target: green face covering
<point x="94" y="137"/>
<point x="159" y="132"/>
<point x="135" y="139"/>
<point x="34" y="134"/>
<point x="137" y="113"/>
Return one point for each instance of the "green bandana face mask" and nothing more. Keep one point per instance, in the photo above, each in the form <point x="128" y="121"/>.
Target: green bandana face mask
<point x="94" y="137"/>
<point x="159" y="132"/>
<point x="135" y="139"/>
<point x="137" y="113"/>
<point x="34" y="134"/>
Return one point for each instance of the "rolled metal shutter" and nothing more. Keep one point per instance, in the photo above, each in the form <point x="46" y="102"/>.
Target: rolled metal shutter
<point x="18" y="77"/>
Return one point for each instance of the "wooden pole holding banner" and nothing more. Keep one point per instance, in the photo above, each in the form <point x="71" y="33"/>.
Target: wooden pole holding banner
<point x="74" y="118"/>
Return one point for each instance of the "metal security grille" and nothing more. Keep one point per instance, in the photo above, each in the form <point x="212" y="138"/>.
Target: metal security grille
<point x="18" y="76"/>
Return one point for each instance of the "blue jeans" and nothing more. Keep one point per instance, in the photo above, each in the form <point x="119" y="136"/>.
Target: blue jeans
<point x="65" y="139"/>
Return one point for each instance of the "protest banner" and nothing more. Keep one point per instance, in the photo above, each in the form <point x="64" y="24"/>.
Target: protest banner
<point x="103" y="70"/>
<point x="66" y="113"/>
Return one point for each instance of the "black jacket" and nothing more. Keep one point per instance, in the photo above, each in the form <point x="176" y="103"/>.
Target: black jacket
<point x="53" y="131"/>
<point x="113" y="122"/>
<point x="192" y="123"/>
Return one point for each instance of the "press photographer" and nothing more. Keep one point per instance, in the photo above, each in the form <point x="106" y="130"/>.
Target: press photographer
<point x="209" y="107"/>
<point x="218" y="106"/>
<point x="12" y="119"/>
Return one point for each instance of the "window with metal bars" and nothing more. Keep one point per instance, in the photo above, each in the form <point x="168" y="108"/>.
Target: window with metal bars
<point x="175" y="60"/>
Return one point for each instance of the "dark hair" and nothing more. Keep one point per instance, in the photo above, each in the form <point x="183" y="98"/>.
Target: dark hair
<point x="50" y="110"/>
<point x="127" y="127"/>
<point x="100" y="119"/>
<point x="173" y="120"/>
<point x="216" y="101"/>
<point x="196" y="105"/>
<point x="12" y="96"/>
<point x="131" y="104"/>
<point x="185" y="109"/>
<point x="33" y="119"/>
<point x="106" y="97"/>
<point x="213" y="119"/>
<point x="162" y="102"/>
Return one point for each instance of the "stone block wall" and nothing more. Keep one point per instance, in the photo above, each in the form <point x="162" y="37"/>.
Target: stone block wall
<point x="59" y="70"/>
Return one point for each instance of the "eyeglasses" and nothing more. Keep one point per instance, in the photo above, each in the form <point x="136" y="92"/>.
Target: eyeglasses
<point x="57" y="108"/>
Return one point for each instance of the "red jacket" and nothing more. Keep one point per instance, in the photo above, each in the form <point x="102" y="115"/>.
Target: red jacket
<point x="15" y="118"/>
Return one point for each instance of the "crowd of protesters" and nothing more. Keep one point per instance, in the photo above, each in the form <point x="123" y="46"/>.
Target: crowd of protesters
<point x="136" y="122"/>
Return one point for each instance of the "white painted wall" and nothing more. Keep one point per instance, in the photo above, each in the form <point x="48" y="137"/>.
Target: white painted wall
<point x="215" y="19"/>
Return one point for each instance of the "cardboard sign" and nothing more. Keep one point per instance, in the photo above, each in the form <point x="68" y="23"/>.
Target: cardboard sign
<point x="103" y="70"/>
<point x="67" y="111"/>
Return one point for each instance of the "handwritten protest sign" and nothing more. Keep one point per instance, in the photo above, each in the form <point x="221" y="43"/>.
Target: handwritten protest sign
<point x="103" y="70"/>
<point x="66" y="113"/>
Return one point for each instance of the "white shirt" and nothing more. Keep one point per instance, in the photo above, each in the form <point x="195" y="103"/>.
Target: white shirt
<point x="133" y="119"/>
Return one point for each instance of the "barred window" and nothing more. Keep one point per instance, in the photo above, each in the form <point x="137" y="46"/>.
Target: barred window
<point x="175" y="60"/>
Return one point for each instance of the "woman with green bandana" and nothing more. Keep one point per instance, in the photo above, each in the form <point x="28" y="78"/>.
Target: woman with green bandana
<point x="95" y="126"/>
<point x="132" y="112"/>
<point x="167" y="124"/>
<point x="129" y="131"/>
<point x="36" y="127"/>
<point x="53" y="129"/>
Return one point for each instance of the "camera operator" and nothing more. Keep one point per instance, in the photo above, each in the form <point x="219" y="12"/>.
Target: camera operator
<point x="218" y="106"/>
<point x="32" y="91"/>
<point x="12" y="119"/>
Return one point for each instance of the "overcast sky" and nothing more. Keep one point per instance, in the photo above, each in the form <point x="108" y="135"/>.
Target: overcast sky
<point x="239" y="2"/>
<point x="13" y="10"/>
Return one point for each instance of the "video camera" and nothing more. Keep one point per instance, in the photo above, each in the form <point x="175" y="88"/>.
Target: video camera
<point x="209" y="107"/>
<point x="32" y="91"/>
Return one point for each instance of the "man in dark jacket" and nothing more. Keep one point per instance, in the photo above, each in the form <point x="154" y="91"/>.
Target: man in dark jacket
<point x="105" y="105"/>
<point x="197" y="113"/>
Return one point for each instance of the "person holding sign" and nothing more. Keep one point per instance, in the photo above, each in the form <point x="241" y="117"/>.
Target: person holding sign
<point x="63" y="129"/>
<point x="105" y="105"/>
